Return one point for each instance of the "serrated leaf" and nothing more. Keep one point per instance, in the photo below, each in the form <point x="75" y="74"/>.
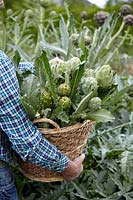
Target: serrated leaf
<point x="124" y="162"/>
<point x="31" y="112"/>
<point x="76" y="79"/>
<point x="49" y="76"/>
<point x="30" y="89"/>
<point x="101" y="116"/>
<point x="39" y="71"/>
<point x="63" y="117"/>
<point x="22" y="54"/>
<point x="64" y="35"/>
<point x="53" y="48"/>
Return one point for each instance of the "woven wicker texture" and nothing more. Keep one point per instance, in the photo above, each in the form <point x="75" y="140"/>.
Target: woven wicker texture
<point x="70" y="140"/>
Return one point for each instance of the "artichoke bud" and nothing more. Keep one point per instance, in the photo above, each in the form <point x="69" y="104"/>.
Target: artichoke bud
<point x="105" y="77"/>
<point x="87" y="40"/>
<point x="9" y="12"/>
<point x="89" y="73"/>
<point x="84" y="15"/>
<point x="89" y="84"/>
<point x="44" y="3"/>
<point x="46" y="100"/>
<point x="55" y="61"/>
<point x="128" y="20"/>
<point x="126" y="9"/>
<point x="29" y="13"/>
<point x="57" y="65"/>
<point x="64" y="89"/>
<point x="53" y="13"/>
<point x="65" y="102"/>
<point x="75" y="37"/>
<point x="95" y="103"/>
<point x="100" y="17"/>
<point x="74" y="63"/>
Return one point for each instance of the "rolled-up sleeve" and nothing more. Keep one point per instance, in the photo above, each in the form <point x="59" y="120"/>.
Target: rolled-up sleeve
<point x="25" y="138"/>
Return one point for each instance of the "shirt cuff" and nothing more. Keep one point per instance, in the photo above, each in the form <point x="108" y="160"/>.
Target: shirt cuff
<point x="48" y="156"/>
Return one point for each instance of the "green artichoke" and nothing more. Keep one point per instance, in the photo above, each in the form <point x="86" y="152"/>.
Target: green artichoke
<point x="88" y="84"/>
<point x="65" y="102"/>
<point x="89" y="73"/>
<point x="73" y="63"/>
<point x="64" y="89"/>
<point x="58" y="65"/>
<point x="105" y="77"/>
<point x="46" y="100"/>
<point x="95" y="104"/>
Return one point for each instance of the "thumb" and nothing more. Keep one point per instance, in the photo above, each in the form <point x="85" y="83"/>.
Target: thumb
<point x="79" y="160"/>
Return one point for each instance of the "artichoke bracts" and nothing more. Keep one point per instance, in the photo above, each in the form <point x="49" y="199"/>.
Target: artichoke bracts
<point x="95" y="103"/>
<point x="105" y="77"/>
<point x="84" y="15"/>
<point x="100" y="17"/>
<point x="128" y="20"/>
<point x="64" y="89"/>
<point x="126" y="10"/>
<point x="65" y="102"/>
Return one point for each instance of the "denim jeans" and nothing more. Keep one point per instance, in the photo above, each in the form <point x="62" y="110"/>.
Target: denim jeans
<point x="7" y="187"/>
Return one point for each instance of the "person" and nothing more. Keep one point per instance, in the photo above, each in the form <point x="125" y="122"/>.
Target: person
<point x="17" y="133"/>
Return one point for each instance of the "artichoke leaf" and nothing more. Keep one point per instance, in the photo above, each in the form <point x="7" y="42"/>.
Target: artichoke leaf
<point x="31" y="112"/>
<point x="30" y="89"/>
<point x="100" y="116"/>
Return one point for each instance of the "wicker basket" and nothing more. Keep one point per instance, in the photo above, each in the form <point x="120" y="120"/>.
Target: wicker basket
<point x="70" y="140"/>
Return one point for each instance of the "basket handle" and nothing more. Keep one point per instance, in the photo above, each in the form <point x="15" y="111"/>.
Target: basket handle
<point x="47" y="121"/>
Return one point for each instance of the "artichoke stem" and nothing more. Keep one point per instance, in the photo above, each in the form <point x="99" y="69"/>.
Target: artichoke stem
<point x="115" y="36"/>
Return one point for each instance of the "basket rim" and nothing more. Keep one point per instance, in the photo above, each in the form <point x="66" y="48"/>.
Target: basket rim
<point x="67" y="128"/>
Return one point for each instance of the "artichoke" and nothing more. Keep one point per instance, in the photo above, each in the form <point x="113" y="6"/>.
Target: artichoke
<point x="126" y="9"/>
<point x="29" y="13"/>
<point x="100" y="17"/>
<point x="88" y="84"/>
<point x="65" y="102"/>
<point x="87" y="40"/>
<point x="64" y="89"/>
<point x="9" y="12"/>
<point x="84" y="15"/>
<point x="75" y="37"/>
<point x="105" y="77"/>
<point x="89" y="73"/>
<point x="128" y="20"/>
<point x="95" y="103"/>
<point x="73" y="63"/>
<point x="58" y="65"/>
<point x="46" y="100"/>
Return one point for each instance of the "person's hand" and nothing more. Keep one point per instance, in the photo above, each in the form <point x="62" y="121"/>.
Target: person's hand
<point x="74" y="168"/>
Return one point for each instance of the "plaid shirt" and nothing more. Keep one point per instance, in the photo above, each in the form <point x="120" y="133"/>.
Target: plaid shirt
<point x="16" y="131"/>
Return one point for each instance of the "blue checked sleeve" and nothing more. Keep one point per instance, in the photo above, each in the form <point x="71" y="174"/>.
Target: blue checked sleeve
<point x="25" y="138"/>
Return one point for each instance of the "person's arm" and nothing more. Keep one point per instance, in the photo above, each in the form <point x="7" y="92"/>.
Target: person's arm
<point x="26" y="139"/>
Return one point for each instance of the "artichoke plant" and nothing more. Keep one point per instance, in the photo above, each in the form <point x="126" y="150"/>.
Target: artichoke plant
<point x="72" y="79"/>
<point x="65" y="91"/>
